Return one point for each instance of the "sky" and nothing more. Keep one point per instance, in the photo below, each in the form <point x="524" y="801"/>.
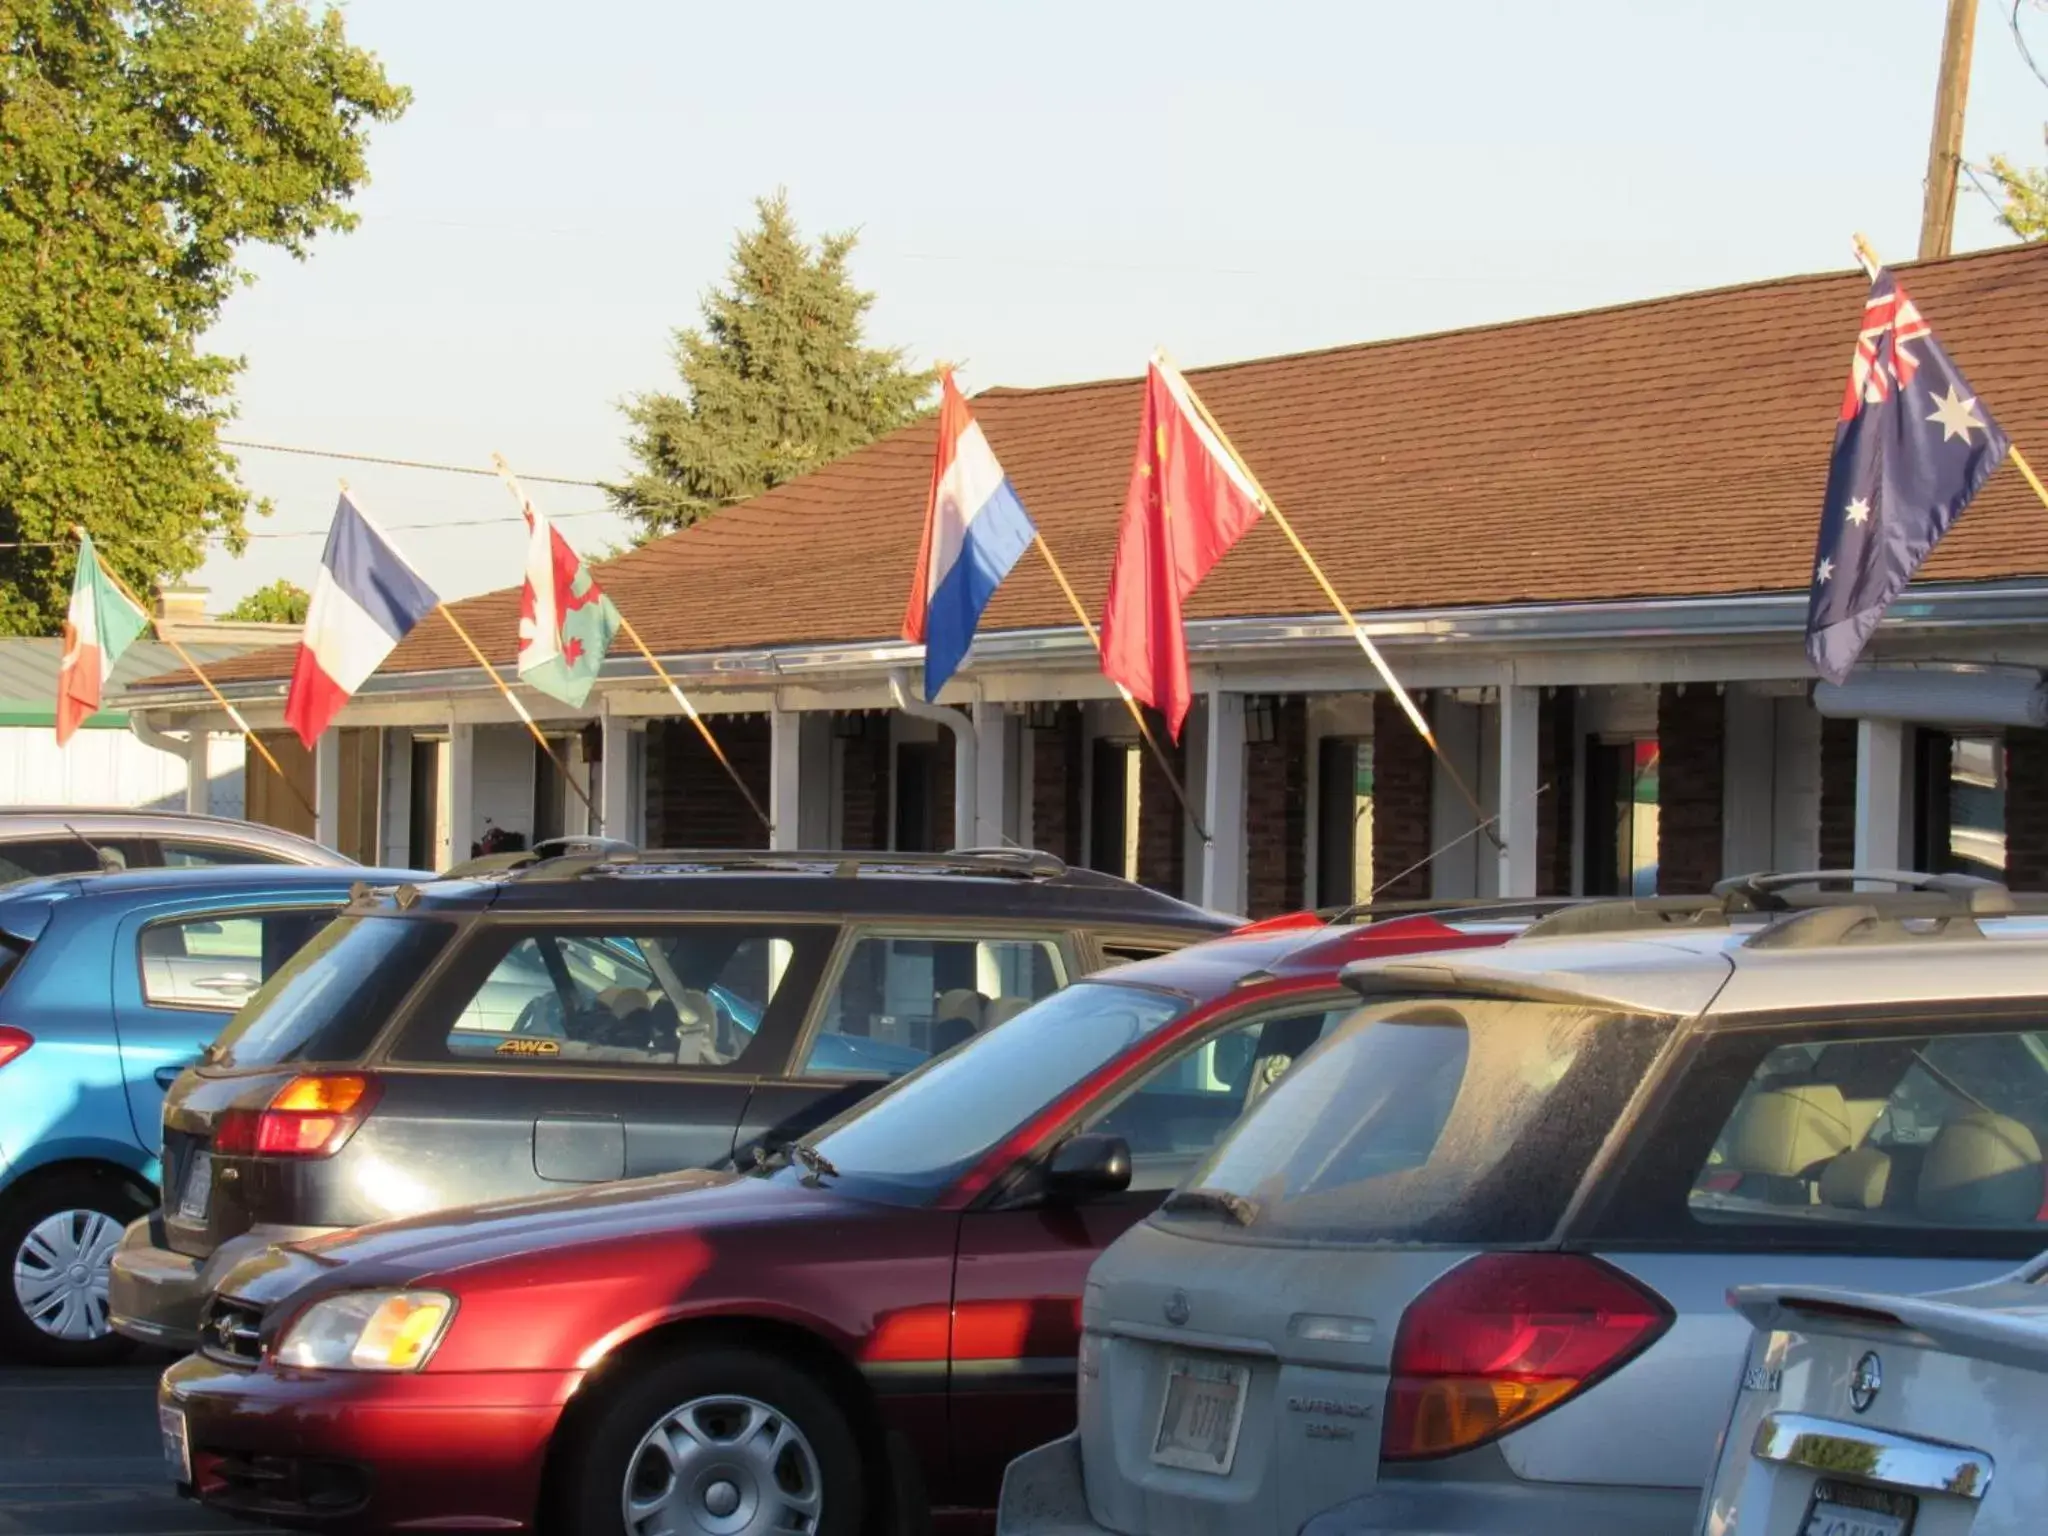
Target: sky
<point x="1044" y="193"/>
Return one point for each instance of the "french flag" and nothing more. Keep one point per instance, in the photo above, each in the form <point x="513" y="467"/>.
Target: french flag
<point x="975" y="530"/>
<point x="365" y="601"/>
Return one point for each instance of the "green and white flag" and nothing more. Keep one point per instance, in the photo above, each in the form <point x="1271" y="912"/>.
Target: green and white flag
<point x="566" y="623"/>
<point x="101" y="624"/>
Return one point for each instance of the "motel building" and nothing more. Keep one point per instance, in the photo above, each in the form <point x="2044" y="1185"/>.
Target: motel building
<point x="1583" y="541"/>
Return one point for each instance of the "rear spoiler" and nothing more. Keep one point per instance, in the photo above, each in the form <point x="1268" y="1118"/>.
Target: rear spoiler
<point x="2003" y="1323"/>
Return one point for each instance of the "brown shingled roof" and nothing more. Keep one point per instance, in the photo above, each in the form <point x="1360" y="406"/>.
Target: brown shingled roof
<point x="1671" y="448"/>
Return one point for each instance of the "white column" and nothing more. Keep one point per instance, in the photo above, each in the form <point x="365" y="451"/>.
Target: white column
<point x="199" y="771"/>
<point x="1223" y="860"/>
<point x="458" y="792"/>
<point x="327" y="788"/>
<point x="785" y="777"/>
<point x="1520" y="806"/>
<point x="991" y="765"/>
<point x="1881" y="798"/>
<point x="615" y="777"/>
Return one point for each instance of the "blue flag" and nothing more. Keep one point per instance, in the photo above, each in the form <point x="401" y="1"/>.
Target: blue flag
<point x="1914" y="444"/>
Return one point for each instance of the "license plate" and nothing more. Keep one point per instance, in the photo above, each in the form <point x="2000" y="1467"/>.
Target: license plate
<point x="198" y="1195"/>
<point x="177" y="1445"/>
<point x="1200" y="1415"/>
<point x="1849" y="1509"/>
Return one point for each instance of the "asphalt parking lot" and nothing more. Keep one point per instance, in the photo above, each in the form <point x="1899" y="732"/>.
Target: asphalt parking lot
<point x="79" y="1457"/>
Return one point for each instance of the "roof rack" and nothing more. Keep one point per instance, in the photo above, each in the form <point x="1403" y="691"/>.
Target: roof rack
<point x="1825" y="927"/>
<point x="582" y="856"/>
<point x="1915" y="895"/>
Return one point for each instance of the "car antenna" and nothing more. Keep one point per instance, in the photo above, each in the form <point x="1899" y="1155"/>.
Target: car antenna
<point x="110" y="861"/>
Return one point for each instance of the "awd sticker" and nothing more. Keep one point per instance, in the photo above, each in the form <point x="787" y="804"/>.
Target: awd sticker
<point x="528" y="1046"/>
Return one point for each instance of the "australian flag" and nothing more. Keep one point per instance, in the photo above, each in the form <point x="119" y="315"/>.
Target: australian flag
<point x="1912" y="447"/>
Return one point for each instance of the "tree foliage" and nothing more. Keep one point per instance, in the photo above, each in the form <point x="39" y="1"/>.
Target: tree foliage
<point x="143" y="145"/>
<point x="777" y="382"/>
<point x="282" y="602"/>
<point x="2026" y="198"/>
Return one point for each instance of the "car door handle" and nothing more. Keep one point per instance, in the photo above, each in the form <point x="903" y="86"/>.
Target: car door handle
<point x="228" y="983"/>
<point x="165" y="1076"/>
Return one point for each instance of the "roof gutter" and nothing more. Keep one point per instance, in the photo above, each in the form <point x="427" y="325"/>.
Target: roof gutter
<point x="964" y="780"/>
<point x="2013" y="605"/>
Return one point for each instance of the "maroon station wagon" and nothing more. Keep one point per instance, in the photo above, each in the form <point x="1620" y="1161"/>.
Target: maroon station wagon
<point x="861" y="1329"/>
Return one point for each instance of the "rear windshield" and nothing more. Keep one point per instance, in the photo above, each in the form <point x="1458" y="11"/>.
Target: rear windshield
<point x="333" y="998"/>
<point x="1453" y="1121"/>
<point x="909" y="1142"/>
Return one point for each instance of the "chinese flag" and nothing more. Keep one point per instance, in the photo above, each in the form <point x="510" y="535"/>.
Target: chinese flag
<point x="1188" y="502"/>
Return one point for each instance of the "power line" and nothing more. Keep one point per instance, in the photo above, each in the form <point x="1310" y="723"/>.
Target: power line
<point x="371" y="458"/>
<point x="459" y="522"/>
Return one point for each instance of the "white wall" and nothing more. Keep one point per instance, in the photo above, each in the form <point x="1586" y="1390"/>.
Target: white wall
<point x="1470" y="736"/>
<point x="503" y="785"/>
<point x="110" y="768"/>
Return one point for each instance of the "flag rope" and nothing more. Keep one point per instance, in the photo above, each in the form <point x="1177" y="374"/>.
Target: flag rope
<point x="519" y="709"/>
<point x="674" y="689"/>
<point x="1137" y="713"/>
<point x="248" y="734"/>
<point x="1866" y="257"/>
<point x="1372" y="652"/>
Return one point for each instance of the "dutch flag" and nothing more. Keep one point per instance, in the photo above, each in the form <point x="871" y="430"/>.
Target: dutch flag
<point x="365" y="601"/>
<point x="975" y="530"/>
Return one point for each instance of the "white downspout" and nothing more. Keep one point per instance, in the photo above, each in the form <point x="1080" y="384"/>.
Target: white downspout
<point x="964" y="779"/>
<point x="192" y="747"/>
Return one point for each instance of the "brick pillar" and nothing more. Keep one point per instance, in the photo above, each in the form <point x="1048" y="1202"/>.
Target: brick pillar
<point x="1056" y="782"/>
<point x="1403" y="790"/>
<point x="2026" y="809"/>
<point x="1276" y="813"/>
<point x="1556" y="755"/>
<point x="864" y="784"/>
<point x="1162" y="844"/>
<point x="1691" y="743"/>
<point x="1837" y="793"/>
<point x="690" y="801"/>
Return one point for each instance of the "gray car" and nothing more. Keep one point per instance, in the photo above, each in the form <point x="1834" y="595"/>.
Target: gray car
<point x="1463" y="1270"/>
<point x="77" y="840"/>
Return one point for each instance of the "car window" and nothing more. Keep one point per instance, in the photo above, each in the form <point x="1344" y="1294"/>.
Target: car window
<point x="901" y="998"/>
<point x="333" y="998"/>
<point x="30" y="857"/>
<point x="216" y="961"/>
<point x="1943" y="1131"/>
<point x="696" y="995"/>
<point x="1183" y="1107"/>
<point x="185" y="855"/>
<point x="1455" y="1120"/>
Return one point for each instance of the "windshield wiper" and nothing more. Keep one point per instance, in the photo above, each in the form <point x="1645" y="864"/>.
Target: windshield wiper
<point x="813" y="1162"/>
<point x="1235" y="1209"/>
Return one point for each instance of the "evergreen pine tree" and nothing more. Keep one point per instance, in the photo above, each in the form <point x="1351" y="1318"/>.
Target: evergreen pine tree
<point x="776" y="383"/>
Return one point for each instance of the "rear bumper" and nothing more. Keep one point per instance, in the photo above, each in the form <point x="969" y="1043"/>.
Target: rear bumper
<point x="1043" y="1495"/>
<point x="1424" y="1508"/>
<point x="348" y="1452"/>
<point x="155" y="1294"/>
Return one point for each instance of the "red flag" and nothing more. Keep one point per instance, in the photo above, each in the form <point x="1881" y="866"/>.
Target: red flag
<point x="1189" y="501"/>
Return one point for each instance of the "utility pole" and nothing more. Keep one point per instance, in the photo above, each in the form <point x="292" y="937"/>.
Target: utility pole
<point x="1945" y="153"/>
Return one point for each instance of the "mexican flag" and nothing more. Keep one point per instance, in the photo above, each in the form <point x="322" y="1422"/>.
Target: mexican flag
<point x="101" y="625"/>
<point x="565" y="623"/>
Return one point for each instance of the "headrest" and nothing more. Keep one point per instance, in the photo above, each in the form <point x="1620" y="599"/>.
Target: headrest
<point x="1782" y="1132"/>
<point x="1982" y="1167"/>
<point x="1004" y="1009"/>
<point x="1856" y="1181"/>
<point x="960" y="1003"/>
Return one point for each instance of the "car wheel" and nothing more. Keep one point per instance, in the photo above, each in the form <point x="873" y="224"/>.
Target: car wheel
<point x="728" y="1442"/>
<point x="57" y="1239"/>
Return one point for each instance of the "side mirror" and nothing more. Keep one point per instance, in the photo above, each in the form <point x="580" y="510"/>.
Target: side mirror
<point x="1089" y="1164"/>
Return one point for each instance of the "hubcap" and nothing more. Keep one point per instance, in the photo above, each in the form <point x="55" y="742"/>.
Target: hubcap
<point x="60" y="1274"/>
<point x="723" y="1466"/>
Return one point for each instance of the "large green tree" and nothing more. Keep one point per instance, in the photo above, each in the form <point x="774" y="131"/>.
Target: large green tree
<point x="144" y="144"/>
<point x="778" y="381"/>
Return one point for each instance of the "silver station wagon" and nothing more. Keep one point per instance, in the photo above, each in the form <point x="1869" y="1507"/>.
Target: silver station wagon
<point x="1464" y="1269"/>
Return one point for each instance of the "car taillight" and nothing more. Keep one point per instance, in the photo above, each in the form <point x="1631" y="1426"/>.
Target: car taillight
<point x="13" y="1042"/>
<point x="309" y="1116"/>
<point x="1504" y="1337"/>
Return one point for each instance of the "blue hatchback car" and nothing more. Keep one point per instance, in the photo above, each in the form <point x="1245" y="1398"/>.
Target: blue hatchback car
<point x="110" y="985"/>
